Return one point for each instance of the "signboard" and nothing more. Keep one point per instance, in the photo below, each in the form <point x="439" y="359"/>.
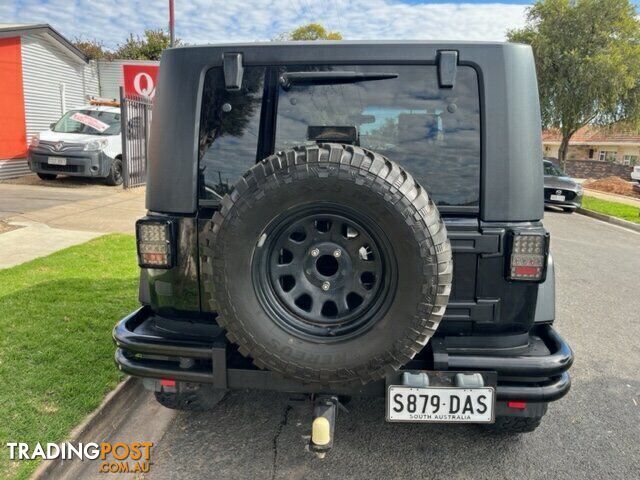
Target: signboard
<point x="140" y="80"/>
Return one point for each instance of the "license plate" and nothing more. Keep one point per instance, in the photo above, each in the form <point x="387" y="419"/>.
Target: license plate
<point x="440" y="404"/>
<point x="57" y="161"/>
<point x="557" y="198"/>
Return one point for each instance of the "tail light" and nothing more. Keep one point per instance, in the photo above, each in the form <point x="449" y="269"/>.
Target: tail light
<point x="528" y="258"/>
<point x="155" y="243"/>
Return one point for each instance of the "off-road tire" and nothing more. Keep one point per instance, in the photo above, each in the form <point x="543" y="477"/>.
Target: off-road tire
<point x="47" y="176"/>
<point x="514" y="425"/>
<point x="115" y="173"/>
<point x="364" y="181"/>
<point x="196" y="398"/>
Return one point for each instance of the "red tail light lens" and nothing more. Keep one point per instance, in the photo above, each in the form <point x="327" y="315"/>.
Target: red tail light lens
<point x="155" y="243"/>
<point x="528" y="259"/>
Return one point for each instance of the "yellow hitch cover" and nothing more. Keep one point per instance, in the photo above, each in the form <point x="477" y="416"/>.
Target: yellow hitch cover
<point x="320" y="431"/>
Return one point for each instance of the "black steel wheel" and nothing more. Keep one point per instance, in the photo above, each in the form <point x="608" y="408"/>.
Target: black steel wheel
<point x="194" y="397"/>
<point x="328" y="264"/>
<point x="325" y="272"/>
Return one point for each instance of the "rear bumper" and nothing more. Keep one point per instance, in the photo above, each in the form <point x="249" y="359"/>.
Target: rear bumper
<point x="147" y="349"/>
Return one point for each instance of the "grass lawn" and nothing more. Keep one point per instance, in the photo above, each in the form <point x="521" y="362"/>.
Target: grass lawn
<point x="614" y="209"/>
<point x="56" y="353"/>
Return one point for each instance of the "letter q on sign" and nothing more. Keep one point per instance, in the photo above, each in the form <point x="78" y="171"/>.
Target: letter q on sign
<point x="144" y="85"/>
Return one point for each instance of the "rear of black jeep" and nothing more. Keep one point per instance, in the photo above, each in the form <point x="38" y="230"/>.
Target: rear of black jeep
<point x="349" y="219"/>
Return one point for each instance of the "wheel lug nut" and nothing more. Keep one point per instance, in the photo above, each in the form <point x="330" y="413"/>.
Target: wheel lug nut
<point x="326" y="286"/>
<point x="337" y="253"/>
<point x="315" y="252"/>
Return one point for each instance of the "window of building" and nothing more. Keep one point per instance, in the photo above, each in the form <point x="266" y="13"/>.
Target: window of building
<point x="607" y="155"/>
<point x="630" y="159"/>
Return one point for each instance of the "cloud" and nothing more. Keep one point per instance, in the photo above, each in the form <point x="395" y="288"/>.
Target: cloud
<point x="206" y="21"/>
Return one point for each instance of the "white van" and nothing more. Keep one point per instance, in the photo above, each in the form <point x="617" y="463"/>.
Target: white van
<point x="85" y="142"/>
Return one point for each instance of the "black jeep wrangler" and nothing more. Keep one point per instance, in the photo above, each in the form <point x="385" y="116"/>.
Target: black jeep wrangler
<point x="339" y="219"/>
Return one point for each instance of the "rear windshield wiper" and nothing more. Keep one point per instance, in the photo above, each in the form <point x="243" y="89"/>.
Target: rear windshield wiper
<point x="289" y="79"/>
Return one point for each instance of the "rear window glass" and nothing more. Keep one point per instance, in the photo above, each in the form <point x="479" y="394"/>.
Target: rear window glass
<point x="434" y="133"/>
<point x="229" y="126"/>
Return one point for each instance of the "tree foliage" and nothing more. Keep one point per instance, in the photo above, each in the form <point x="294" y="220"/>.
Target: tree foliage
<point x="93" y="49"/>
<point x="147" y="47"/>
<point x="588" y="62"/>
<point x="313" y="31"/>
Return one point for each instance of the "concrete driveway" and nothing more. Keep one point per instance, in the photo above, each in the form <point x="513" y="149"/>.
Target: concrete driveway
<point x="71" y="203"/>
<point x="591" y="433"/>
<point x="40" y="217"/>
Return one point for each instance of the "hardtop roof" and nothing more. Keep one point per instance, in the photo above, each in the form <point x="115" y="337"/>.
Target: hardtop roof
<point x="302" y="43"/>
<point x="340" y="51"/>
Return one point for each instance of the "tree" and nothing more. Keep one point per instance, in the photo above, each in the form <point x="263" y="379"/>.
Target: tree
<point x="313" y="31"/>
<point x="149" y="47"/>
<point x="93" y="49"/>
<point x="587" y="56"/>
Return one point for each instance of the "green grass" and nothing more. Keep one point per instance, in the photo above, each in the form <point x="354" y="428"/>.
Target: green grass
<point x="614" y="209"/>
<point x="56" y="353"/>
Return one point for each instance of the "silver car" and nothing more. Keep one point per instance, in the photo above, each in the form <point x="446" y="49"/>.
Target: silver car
<point x="560" y="190"/>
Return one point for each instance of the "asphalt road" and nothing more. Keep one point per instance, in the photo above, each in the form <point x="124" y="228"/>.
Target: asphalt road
<point x="594" y="432"/>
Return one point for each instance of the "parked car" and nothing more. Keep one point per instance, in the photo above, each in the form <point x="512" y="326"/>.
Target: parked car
<point x="306" y="205"/>
<point x="560" y="190"/>
<point x="635" y="173"/>
<point x="85" y="142"/>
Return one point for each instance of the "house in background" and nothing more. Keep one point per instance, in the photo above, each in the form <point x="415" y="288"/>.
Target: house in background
<point x="596" y="144"/>
<point x="42" y="75"/>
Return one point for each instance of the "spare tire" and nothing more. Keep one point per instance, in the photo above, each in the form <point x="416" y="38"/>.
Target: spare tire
<point x="329" y="264"/>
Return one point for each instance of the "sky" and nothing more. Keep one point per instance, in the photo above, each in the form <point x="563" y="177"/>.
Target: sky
<point x="215" y="21"/>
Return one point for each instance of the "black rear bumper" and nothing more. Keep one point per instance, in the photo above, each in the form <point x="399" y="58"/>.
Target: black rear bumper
<point x="149" y="349"/>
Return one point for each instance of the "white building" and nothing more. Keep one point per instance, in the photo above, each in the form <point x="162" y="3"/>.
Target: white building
<point x="42" y="74"/>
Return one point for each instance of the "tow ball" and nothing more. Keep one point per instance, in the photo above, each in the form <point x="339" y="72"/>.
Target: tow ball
<point x="325" y="408"/>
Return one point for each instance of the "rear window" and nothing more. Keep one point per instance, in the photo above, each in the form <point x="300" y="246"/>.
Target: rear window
<point x="434" y="133"/>
<point x="229" y="125"/>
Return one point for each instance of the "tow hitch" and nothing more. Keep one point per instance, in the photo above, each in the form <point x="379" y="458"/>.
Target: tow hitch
<point x="325" y="409"/>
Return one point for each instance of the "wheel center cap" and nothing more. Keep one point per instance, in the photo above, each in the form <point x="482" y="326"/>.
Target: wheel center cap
<point x="327" y="265"/>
